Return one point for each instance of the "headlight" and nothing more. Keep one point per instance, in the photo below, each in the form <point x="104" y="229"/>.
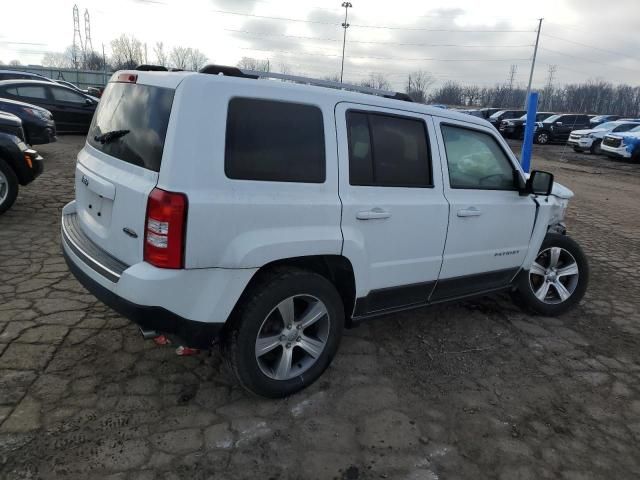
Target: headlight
<point x="37" y="113"/>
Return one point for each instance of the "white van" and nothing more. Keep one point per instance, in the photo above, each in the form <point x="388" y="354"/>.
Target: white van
<point x="269" y="214"/>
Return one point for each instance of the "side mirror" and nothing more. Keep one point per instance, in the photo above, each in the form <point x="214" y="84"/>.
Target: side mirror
<point x="88" y="101"/>
<point x="539" y="183"/>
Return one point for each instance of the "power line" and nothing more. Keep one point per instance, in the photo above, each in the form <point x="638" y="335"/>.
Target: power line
<point x="324" y="39"/>
<point x="590" y="46"/>
<point x="391" y="58"/>
<point x="587" y="59"/>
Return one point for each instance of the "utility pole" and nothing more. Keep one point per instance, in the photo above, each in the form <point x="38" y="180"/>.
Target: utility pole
<point x="548" y="89"/>
<point x="512" y="75"/>
<point x="77" y="38"/>
<point x="104" y="65"/>
<point x="345" y="25"/>
<point x="533" y="61"/>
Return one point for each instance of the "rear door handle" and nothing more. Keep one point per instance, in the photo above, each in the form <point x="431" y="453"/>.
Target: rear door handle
<point x="373" y="214"/>
<point x="469" y="212"/>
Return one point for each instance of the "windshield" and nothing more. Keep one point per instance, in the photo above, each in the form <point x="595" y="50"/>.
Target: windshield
<point x="142" y="111"/>
<point x="636" y="129"/>
<point x="497" y="114"/>
<point x="607" y="126"/>
<point x="551" y="119"/>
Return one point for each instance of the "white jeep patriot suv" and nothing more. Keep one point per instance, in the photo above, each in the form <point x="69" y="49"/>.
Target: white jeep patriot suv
<point x="268" y="215"/>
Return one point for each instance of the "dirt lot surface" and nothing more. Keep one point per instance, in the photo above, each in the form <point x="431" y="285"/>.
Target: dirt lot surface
<point x="473" y="390"/>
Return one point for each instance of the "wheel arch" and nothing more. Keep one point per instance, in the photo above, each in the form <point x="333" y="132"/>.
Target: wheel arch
<point x="335" y="268"/>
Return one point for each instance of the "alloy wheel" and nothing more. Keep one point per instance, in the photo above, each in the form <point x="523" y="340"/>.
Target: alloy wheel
<point x="554" y="275"/>
<point x="292" y="337"/>
<point x="4" y="188"/>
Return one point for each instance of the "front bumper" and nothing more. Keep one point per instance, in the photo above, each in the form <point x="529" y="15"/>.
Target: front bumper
<point x="189" y="306"/>
<point x="584" y="143"/>
<point x="616" y="152"/>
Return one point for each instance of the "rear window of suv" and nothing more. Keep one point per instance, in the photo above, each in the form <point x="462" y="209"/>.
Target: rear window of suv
<point x="143" y="111"/>
<point x="274" y="141"/>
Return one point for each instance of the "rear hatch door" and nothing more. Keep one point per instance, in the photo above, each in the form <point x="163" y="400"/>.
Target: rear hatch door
<point x="119" y="165"/>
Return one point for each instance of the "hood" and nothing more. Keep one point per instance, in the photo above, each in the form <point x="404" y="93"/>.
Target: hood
<point x="589" y="130"/>
<point x="22" y="104"/>
<point x="561" y="191"/>
<point x="10" y="120"/>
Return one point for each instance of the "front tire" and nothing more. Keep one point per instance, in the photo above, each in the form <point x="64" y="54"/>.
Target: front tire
<point x="542" y="138"/>
<point x="558" y="277"/>
<point x="285" y="332"/>
<point x="595" y="147"/>
<point x="8" y="187"/>
<point x="578" y="150"/>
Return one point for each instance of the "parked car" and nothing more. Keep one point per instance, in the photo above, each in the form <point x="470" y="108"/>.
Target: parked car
<point x="557" y="128"/>
<point x="18" y="75"/>
<point x="501" y="115"/>
<point x="269" y="215"/>
<point x="622" y="145"/>
<point x="487" y="112"/>
<point x="72" y="111"/>
<point x="514" y="128"/>
<point x="37" y="122"/>
<point x="474" y="112"/>
<point x="598" y="119"/>
<point x="591" y="139"/>
<point x="19" y="163"/>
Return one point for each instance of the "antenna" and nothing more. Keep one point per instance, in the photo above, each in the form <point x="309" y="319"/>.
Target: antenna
<point x="77" y="47"/>
<point x="88" y="46"/>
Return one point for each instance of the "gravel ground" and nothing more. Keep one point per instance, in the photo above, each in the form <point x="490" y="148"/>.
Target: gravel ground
<point x="472" y="390"/>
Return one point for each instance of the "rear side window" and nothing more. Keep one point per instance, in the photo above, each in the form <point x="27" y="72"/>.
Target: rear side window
<point x="388" y="151"/>
<point x="140" y="113"/>
<point x="32" y="91"/>
<point x="66" y="95"/>
<point x="274" y="141"/>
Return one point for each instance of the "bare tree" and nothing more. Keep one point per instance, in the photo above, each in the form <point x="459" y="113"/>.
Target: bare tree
<point x="418" y="84"/>
<point x="161" y="55"/>
<point x="179" y="57"/>
<point x="376" y="80"/>
<point x="15" y="63"/>
<point x="59" y="59"/>
<point x="332" y="78"/>
<point x="451" y="93"/>
<point x="285" y="69"/>
<point x="126" y="52"/>
<point x="249" y="63"/>
<point x="197" y="59"/>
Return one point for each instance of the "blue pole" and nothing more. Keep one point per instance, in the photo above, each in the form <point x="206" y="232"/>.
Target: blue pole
<point x="527" y="144"/>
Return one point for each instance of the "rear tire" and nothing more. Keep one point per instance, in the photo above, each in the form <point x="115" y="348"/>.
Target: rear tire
<point x="8" y="187"/>
<point x="558" y="278"/>
<point x="285" y="332"/>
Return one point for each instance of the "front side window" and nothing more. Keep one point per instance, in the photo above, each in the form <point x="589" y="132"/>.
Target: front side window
<point x="388" y="151"/>
<point x="274" y="141"/>
<point x="65" y="95"/>
<point x="476" y="160"/>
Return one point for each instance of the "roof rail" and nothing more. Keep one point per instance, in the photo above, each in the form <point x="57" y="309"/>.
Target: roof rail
<point x="243" y="73"/>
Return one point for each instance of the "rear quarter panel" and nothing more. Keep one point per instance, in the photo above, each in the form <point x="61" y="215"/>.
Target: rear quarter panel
<point x="243" y="223"/>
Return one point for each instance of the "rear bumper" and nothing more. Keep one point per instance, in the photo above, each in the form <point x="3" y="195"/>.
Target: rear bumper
<point x="181" y="330"/>
<point x="190" y="305"/>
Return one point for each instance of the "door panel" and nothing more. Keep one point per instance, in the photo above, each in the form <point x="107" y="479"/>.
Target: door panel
<point x="393" y="234"/>
<point x="490" y="224"/>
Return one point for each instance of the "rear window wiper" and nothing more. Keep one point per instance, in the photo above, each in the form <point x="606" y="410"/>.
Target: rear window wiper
<point x="109" y="136"/>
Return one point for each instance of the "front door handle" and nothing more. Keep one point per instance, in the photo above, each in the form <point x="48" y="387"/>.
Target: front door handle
<point x="372" y="214"/>
<point x="469" y="212"/>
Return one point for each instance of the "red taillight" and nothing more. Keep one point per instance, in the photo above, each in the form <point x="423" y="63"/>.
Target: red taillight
<point x="165" y="228"/>
<point x="127" y="77"/>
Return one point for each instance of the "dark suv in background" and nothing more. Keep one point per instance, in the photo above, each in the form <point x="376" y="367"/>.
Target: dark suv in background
<point x="501" y="115"/>
<point x="514" y="128"/>
<point x="557" y="128"/>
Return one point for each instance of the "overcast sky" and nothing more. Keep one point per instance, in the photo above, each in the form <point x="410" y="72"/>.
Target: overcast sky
<point x="469" y="41"/>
